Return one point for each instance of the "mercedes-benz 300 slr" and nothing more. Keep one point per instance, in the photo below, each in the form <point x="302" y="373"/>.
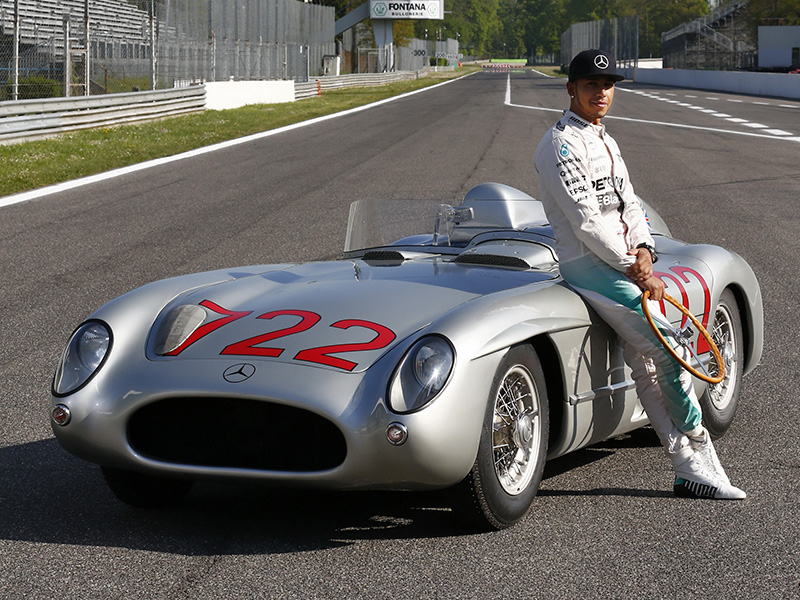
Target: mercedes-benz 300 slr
<point x="442" y="349"/>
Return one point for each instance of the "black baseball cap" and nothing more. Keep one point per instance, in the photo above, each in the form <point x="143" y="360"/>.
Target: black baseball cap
<point x="594" y="62"/>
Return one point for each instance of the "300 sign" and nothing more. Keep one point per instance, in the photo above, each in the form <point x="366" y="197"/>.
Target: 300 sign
<point x="301" y="320"/>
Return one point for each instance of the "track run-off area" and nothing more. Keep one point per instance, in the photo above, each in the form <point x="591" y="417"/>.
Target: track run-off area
<point x="720" y="168"/>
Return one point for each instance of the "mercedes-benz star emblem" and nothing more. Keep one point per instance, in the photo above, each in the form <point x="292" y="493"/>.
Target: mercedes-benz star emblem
<point x="601" y="62"/>
<point x="239" y="373"/>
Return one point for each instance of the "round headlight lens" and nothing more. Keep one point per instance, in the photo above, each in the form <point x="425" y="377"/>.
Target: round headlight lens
<point x="422" y="374"/>
<point x="432" y="363"/>
<point x="92" y="346"/>
<point x="85" y="352"/>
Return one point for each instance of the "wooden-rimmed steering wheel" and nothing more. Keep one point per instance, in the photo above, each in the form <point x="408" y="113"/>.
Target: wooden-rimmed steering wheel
<point x="682" y="339"/>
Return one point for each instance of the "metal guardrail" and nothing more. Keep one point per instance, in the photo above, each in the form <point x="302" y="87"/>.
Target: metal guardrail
<point x="317" y="85"/>
<point x="24" y="120"/>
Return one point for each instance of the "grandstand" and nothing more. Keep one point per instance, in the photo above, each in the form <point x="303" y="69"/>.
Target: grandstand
<point x="194" y="40"/>
<point x="44" y="19"/>
<point x="715" y="41"/>
<point x="117" y="30"/>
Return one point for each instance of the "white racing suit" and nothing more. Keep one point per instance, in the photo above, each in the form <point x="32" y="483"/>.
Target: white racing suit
<point x="596" y="219"/>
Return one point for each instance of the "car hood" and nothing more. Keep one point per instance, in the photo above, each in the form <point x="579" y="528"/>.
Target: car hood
<point x="343" y="315"/>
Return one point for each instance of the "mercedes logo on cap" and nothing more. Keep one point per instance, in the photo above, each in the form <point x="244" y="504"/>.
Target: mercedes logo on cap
<point x="601" y="61"/>
<point x="239" y="373"/>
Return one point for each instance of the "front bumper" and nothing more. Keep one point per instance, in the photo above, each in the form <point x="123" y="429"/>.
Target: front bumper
<point x="292" y="424"/>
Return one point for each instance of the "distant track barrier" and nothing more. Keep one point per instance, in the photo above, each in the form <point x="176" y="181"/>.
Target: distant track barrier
<point x="503" y="67"/>
<point x="317" y="85"/>
<point x="24" y="120"/>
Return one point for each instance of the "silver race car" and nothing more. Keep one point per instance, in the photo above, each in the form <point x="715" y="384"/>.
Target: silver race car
<point x="442" y="349"/>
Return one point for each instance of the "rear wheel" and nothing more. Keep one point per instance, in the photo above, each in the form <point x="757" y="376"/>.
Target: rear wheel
<point x="147" y="491"/>
<point x="720" y="400"/>
<point x="513" y="445"/>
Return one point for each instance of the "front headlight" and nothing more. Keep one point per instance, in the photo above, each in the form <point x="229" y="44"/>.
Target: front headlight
<point x="83" y="356"/>
<point x="422" y="374"/>
<point x="176" y="329"/>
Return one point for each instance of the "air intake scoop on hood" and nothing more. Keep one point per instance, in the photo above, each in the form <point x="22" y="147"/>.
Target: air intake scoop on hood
<point x="512" y="254"/>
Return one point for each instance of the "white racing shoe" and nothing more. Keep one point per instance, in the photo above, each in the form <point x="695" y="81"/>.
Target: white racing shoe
<point x="694" y="479"/>
<point x="702" y="445"/>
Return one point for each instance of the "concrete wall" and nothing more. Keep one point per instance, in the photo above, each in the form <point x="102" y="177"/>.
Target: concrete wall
<point x="221" y="95"/>
<point x="779" y="85"/>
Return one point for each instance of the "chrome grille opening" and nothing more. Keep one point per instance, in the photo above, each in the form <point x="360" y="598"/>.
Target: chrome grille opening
<point x="236" y="433"/>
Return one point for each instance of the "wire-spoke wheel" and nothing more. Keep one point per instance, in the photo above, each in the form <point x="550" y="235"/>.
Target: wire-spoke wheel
<point x="720" y="400"/>
<point x="513" y="446"/>
<point x="514" y="430"/>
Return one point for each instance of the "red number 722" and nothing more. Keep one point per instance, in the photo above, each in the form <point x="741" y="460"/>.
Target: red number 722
<point x="321" y="355"/>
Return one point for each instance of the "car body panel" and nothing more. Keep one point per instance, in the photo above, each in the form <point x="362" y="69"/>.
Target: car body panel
<point x="336" y="292"/>
<point x="321" y="342"/>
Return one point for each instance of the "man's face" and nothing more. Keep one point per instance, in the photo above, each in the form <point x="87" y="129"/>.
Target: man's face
<point x="591" y="97"/>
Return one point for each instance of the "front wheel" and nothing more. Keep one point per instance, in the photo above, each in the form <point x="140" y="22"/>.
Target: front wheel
<point x="513" y="445"/>
<point x="720" y="400"/>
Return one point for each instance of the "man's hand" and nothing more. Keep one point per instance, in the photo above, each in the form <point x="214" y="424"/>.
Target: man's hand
<point x="643" y="267"/>
<point x="653" y="285"/>
<point x="641" y="272"/>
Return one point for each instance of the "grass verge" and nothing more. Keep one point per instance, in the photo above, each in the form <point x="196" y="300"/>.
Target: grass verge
<point x="31" y="165"/>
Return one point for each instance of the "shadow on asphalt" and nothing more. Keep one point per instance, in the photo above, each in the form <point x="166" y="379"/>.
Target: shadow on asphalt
<point x="48" y="496"/>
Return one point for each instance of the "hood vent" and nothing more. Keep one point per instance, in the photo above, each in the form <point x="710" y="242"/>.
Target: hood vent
<point x="493" y="260"/>
<point x="510" y="254"/>
<point x="382" y="255"/>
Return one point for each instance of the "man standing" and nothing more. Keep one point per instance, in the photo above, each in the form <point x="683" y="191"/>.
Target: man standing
<point x="606" y="254"/>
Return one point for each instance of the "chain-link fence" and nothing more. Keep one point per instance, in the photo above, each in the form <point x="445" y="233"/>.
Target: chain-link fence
<point x="51" y="48"/>
<point x="619" y="37"/>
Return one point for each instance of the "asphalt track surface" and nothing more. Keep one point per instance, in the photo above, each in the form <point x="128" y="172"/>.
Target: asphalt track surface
<point x="605" y="524"/>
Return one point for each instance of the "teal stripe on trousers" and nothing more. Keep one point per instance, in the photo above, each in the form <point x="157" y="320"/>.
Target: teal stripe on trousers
<point x="590" y="273"/>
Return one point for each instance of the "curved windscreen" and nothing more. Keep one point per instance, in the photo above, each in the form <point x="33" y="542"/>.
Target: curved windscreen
<point x="380" y="223"/>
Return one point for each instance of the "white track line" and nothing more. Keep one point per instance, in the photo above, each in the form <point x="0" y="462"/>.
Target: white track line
<point x="775" y="136"/>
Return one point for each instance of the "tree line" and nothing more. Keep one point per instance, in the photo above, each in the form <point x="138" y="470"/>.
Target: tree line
<point x="524" y="28"/>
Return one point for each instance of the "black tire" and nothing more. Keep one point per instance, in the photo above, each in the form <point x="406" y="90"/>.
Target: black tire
<point x="513" y="445"/>
<point x="720" y="401"/>
<point x="146" y="491"/>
